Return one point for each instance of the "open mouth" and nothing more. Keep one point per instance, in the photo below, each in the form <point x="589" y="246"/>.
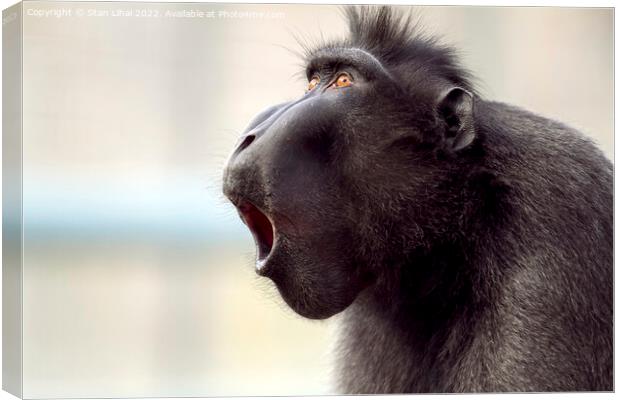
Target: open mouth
<point x="261" y="228"/>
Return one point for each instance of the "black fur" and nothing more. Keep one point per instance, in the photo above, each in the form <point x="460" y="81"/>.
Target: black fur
<point x="468" y="242"/>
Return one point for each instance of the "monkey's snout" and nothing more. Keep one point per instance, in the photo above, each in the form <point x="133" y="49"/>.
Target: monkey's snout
<point x="261" y="228"/>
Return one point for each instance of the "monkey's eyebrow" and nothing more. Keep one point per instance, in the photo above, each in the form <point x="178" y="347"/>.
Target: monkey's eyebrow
<point x="360" y="59"/>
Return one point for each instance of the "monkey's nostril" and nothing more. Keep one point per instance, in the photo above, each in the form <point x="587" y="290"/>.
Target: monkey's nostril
<point x="247" y="140"/>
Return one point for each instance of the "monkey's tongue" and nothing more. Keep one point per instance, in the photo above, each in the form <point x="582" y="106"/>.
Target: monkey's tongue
<point x="260" y="226"/>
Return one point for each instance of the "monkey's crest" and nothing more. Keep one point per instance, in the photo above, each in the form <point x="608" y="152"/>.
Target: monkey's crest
<point x="397" y="39"/>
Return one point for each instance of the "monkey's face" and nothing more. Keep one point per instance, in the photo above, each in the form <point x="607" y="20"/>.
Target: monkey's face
<point x="324" y="182"/>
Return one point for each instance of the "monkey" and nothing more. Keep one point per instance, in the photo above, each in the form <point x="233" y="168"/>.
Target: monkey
<point x="465" y="243"/>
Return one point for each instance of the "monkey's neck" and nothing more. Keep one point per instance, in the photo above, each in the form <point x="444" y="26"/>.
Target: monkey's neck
<point x="420" y="320"/>
<point x="430" y="287"/>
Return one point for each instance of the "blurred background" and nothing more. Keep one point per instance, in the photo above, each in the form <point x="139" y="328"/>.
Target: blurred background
<point x="138" y="275"/>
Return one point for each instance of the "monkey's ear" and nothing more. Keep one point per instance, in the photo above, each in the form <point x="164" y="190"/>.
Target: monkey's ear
<point x="456" y="110"/>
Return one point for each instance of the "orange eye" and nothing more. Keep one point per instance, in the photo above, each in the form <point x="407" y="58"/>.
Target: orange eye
<point x="343" y="80"/>
<point x="313" y="83"/>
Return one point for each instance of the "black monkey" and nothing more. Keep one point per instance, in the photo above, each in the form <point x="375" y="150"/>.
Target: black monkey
<point x="468" y="242"/>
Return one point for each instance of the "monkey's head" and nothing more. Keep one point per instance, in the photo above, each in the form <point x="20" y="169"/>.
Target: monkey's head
<point x="360" y="171"/>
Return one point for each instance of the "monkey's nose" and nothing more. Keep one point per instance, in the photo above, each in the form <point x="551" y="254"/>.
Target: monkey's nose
<point x="245" y="142"/>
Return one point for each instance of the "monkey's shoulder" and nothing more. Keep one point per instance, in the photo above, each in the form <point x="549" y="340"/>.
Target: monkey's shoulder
<point x="536" y="144"/>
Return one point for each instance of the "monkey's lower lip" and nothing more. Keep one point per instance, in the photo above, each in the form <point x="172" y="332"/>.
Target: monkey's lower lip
<point x="261" y="228"/>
